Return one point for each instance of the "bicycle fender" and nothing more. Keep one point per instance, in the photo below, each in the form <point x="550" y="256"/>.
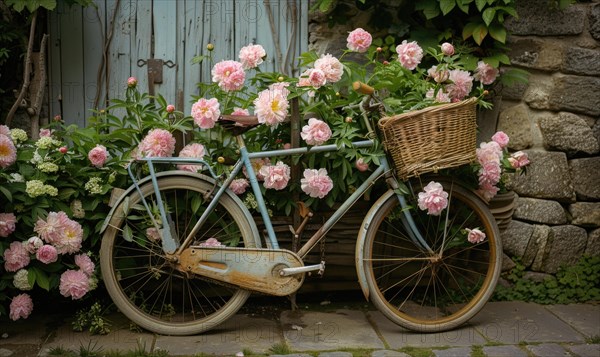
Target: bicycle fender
<point x="210" y="180"/>
<point x="360" y="242"/>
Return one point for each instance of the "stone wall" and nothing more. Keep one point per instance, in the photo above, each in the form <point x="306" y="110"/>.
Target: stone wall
<point x="555" y="119"/>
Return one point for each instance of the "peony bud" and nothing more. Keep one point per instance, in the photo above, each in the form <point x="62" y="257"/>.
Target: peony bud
<point x="63" y="149"/>
<point x="348" y="119"/>
<point x="210" y="47"/>
<point x="379" y="49"/>
<point x="131" y="82"/>
<point x="447" y="49"/>
<point x="170" y="108"/>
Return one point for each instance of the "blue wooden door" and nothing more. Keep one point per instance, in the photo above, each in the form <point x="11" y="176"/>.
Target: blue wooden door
<point x="94" y="50"/>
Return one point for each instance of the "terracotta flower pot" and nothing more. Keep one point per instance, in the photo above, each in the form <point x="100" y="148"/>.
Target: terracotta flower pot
<point x="502" y="207"/>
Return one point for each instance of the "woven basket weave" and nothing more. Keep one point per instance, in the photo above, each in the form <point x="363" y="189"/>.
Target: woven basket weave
<point x="430" y="139"/>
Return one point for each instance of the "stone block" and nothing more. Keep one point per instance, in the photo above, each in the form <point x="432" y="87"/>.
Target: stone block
<point x="594" y="22"/>
<point x="592" y="247"/>
<point x="547" y="177"/>
<point x="536" y="53"/>
<point x="565" y="246"/>
<point x="569" y="133"/>
<point x="586" y="214"/>
<point x="576" y="94"/>
<point x="542" y="243"/>
<point x="537" y="277"/>
<point x="539" y="211"/>
<point x="596" y="130"/>
<point x="536" y="17"/>
<point x="507" y="263"/>
<point x="516" y="238"/>
<point x="581" y="61"/>
<point x="536" y="245"/>
<point x="585" y="174"/>
<point x="516" y="91"/>
<point x="515" y="122"/>
<point x="538" y="92"/>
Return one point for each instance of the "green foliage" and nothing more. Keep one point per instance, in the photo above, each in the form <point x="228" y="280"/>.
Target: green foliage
<point x="34" y="5"/>
<point x="91" y="319"/>
<point x="575" y="283"/>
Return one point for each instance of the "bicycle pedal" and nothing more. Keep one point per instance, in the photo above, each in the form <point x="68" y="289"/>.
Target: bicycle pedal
<point x="305" y="269"/>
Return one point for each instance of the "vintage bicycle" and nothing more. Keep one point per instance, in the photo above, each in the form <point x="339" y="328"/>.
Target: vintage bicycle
<point x="181" y="253"/>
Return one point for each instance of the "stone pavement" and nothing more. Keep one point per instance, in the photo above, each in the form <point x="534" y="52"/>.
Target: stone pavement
<point x="512" y="329"/>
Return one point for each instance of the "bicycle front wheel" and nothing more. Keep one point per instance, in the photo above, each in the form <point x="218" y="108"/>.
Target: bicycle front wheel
<point x="144" y="282"/>
<point x="436" y="289"/>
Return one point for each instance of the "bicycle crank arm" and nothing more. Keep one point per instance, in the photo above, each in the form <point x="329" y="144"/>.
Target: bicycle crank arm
<point x="255" y="269"/>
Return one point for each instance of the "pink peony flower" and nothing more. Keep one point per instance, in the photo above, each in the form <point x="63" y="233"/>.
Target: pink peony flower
<point x="74" y="283"/>
<point x="252" y="55"/>
<point x="239" y="186"/>
<point x="131" y="82"/>
<point x="45" y="133"/>
<point x="257" y="164"/>
<point x="475" y="235"/>
<point x="485" y="73"/>
<point x="170" y="108"/>
<point x="488" y="191"/>
<point x="240" y="111"/>
<point x="361" y="165"/>
<point x="447" y="49"/>
<point x="489" y="151"/>
<point x="331" y="66"/>
<point x="359" y="40"/>
<point x="276" y="176"/>
<point x="206" y="112"/>
<point x="47" y="254"/>
<point x="20" y="307"/>
<point x="433" y="198"/>
<point x="439" y="76"/>
<point x="8" y="151"/>
<point x="70" y="240"/>
<point x="15" y="257"/>
<point x="4" y="130"/>
<point x="84" y="263"/>
<point x="490" y="173"/>
<point x="316" y="132"/>
<point x="98" y="155"/>
<point x="211" y="242"/>
<point x="8" y="224"/>
<point x="316" y="78"/>
<point x="195" y="151"/>
<point x="271" y="107"/>
<point x="461" y="85"/>
<point x="157" y="143"/>
<point x="33" y="244"/>
<point x="409" y="54"/>
<point x="229" y="75"/>
<point x="52" y="228"/>
<point x="518" y="160"/>
<point x="501" y="138"/>
<point x="316" y="183"/>
<point x="440" y="96"/>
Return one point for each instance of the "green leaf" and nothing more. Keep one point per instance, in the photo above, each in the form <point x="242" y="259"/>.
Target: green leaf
<point x="127" y="233"/>
<point x="488" y="15"/>
<point x="468" y="29"/>
<point x="447" y="5"/>
<point x="6" y="193"/>
<point x="479" y="33"/>
<point x="41" y="278"/>
<point x="498" y="33"/>
<point x="480" y="4"/>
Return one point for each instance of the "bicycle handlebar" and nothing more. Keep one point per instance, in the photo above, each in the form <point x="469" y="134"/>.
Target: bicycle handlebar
<point x="363" y="88"/>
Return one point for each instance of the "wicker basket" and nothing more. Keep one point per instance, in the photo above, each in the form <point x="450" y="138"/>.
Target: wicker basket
<point x="431" y="139"/>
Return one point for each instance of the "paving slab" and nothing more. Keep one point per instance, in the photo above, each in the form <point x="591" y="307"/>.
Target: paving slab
<point x="21" y="331"/>
<point x="512" y="322"/>
<point x="504" y="351"/>
<point x="388" y="353"/>
<point x="585" y="318"/>
<point x="320" y="331"/>
<point x="548" y="349"/>
<point x="121" y="338"/>
<point x="592" y="350"/>
<point x="397" y="337"/>
<point x="453" y="352"/>
<point x="335" y="354"/>
<point x="234" y="335"/>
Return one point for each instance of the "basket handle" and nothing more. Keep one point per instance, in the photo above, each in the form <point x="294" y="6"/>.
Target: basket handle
<point x="363" y="88"/>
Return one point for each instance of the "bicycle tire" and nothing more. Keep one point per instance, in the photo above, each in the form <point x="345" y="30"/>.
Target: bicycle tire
<point x="145" y="286"/>
<point x="424" y="294"/>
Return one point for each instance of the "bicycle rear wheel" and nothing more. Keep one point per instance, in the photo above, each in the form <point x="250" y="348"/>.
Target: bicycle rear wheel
<point x="437" y="290"/>
<point x="144" y="283"/>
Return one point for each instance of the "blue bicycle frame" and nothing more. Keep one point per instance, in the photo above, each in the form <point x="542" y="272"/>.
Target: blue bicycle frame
<point x="170" y="244"/>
